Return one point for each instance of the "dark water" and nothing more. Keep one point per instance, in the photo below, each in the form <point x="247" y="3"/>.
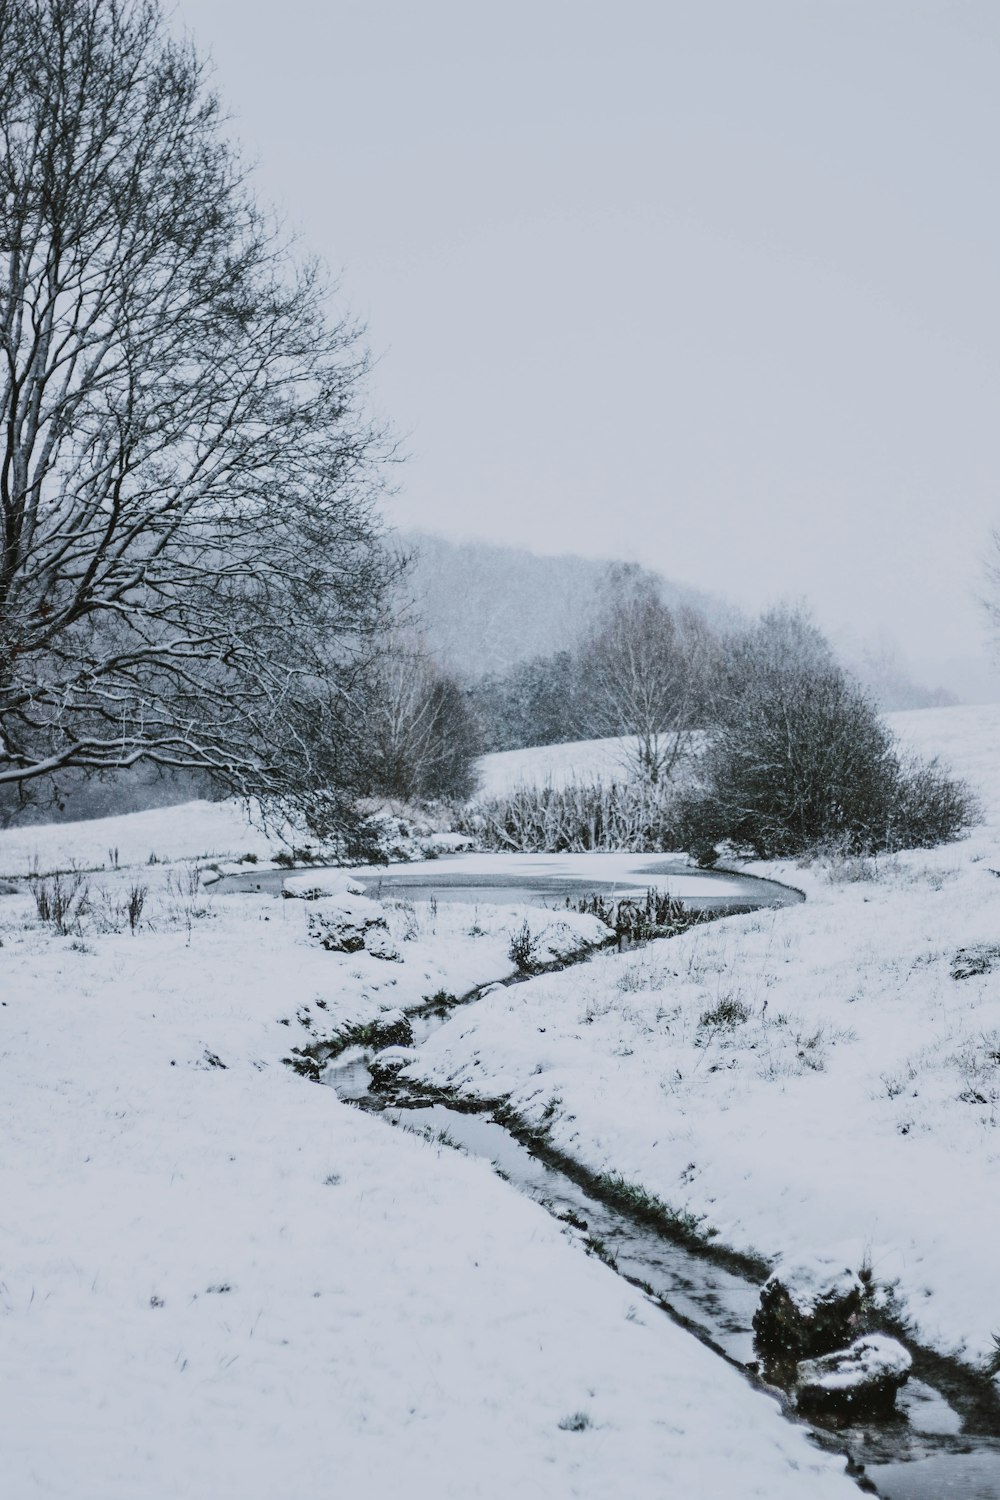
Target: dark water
<point x="944" y="1441"/>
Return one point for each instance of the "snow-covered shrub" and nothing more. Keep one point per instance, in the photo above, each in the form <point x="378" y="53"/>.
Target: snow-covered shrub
<point x="341" y="924"/>
<point x="638" y="919"/>
<point x="630" y="815"/>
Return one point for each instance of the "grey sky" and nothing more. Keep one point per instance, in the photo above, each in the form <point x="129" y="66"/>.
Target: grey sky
<point x="709" y="285"/>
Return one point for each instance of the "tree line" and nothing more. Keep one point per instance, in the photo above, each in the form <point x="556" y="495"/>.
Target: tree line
<point x="194" y="575"/>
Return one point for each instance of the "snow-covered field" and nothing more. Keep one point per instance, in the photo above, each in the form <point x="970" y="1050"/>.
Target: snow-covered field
<point x="958" y="735"/>
<point x="218" y="1281"/>
<point x="191" y="830"/>
<point x="555" y="765"/>
<point x="821" y="1078"/>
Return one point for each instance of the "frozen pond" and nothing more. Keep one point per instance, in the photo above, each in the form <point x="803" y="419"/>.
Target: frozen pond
<point x="549" y="879"/>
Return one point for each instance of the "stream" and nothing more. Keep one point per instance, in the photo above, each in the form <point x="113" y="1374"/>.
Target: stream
<point x="943" y="1443"/>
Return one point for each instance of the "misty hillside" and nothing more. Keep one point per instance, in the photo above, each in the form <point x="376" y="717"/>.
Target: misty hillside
<point x="484" y="608"/>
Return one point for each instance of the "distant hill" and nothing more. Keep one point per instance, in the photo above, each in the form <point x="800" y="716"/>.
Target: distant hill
<point x="484" y="608"/>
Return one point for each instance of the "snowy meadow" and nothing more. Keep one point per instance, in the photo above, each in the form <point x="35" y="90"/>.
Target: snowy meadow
<point x="218" y="1279"/>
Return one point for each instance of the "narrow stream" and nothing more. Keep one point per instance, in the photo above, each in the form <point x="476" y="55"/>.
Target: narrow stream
<point x="943" y="1443"/>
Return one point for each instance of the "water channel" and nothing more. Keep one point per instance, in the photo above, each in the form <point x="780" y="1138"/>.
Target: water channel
<point x="944" y="1441"/>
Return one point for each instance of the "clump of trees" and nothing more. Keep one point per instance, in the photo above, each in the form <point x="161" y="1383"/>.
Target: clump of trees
<point x="537" y="702"/>
<point x="796" y="757"/>
<point x="644" y="672"/>
<point x="758" y="739"/>
<point x="191" y="567"/>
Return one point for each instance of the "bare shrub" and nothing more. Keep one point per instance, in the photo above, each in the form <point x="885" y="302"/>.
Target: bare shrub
<point x="61" y="901"/>
<point x="613" y="815"/>
<point x="185" y="898"/>
<point x="521" y="950"/>
<point x="109" y="911"/>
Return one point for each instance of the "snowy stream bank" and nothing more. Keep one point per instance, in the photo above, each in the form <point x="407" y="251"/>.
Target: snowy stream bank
<point x="940" y="1442"/>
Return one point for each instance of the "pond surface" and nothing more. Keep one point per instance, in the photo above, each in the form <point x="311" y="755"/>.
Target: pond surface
<point x="547" y="880"/>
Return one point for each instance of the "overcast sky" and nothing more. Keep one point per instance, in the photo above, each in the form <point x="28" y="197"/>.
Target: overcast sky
<point x="714" y="286"/>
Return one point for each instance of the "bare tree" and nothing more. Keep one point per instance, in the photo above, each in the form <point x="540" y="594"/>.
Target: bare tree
<point x="422" y="739"/>
<point x="643" y="674"/>
<point x="190" y="564"/>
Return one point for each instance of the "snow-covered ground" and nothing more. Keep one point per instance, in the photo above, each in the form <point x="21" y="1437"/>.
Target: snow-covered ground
<point x="555" y="765"/>
<point x="191" y="830"/>
<point x="218" y="1281"/>
<point x="824" y="1078"/>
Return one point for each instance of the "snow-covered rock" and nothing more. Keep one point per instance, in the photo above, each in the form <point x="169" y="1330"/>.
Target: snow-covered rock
<point x="341" y="924"/>
<point x="380" y="945"/>
<point x="542" y="941"/>
<point x="314" y="885"/>
<point x="386" y="1066"/>
<point x="861" y="1379"/>
<point x="435" y="844"/>
<point x="807" y="1307"/>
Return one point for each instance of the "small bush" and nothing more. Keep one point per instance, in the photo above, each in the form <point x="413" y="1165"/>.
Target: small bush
<point x="577" y="1421"/>
<point x="726" y="1016"/>
<point x="521" y="950"/>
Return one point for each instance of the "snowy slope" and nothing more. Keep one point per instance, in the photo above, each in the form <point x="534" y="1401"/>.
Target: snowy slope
<point x="962" y="735"/>
<point x="217" y="1281"/>
<point x="555" y="765"/>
